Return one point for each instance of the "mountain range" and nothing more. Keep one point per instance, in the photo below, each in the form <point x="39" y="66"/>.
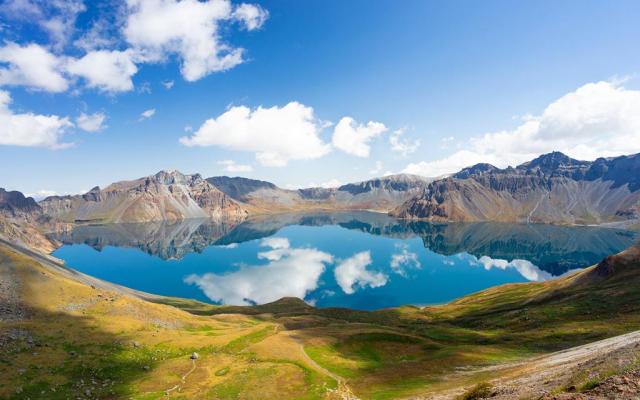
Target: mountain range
<point x="552" y="188"/>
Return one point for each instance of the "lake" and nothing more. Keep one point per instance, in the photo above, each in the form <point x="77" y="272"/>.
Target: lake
<point x="359" y="260"/>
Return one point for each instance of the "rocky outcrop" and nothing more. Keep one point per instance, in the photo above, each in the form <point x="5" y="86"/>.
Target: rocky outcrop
<point x="381" y="194"/>
<point x="22" y="221"/>
<point x="553" y="188"/>
<point x="165" y="196"/>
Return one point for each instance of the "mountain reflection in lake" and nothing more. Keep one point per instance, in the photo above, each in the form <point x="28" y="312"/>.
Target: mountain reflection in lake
<point x="360" y="260"/>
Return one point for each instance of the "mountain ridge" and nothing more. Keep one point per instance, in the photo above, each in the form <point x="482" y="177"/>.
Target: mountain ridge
<point x="553" y="188"/>
<point x="166" y="195"/>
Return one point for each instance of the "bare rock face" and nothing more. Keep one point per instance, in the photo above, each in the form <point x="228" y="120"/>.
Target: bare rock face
<point x="22" y="221"/>
<point x="167" y="195"/>
<point x="553" y="188"/>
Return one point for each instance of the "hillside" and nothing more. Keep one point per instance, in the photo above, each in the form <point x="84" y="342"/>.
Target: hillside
<point x="553" y="188"/>
<point x="23" y="221"/>
<point x="375" y="194"/>
<point x="67" y="335"/>
<point x="167" y="195"/>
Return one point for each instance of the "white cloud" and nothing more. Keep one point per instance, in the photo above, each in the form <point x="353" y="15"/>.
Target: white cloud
<point x="253" y="16"/>
<point x="56" y="17"/>
<point x="276" y="135"/>
<point x="91" y="122"/>
<point x="28" y="129"/>
<point x="100" y="35"/>
<point x="32" y="66"/>
<point x="275" y="242"/>
<point x="404" y="147"/>
<point x="61" y="25"/>
<point x="353" y="272"/>
<point x="167" y="84"/>
<point x="109" y="71"/>
<point x="289" y="272"/>
<point x="599" y="119"/>
<point x="231" y="166"/>
<point x="354" y="138"/>
<point x="330" y="184"/>
<point x="525" y="268"/>
<point x="190" y="29"/>
<point x="403" y="260"/>
<point x="41" y="194"/>
<point x="147" y="114"/>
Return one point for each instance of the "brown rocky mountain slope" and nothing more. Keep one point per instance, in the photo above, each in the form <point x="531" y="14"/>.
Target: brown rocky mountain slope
<point x="553" y="188"/>
<point x="167" y="195"/>
<point x="23" y="221"/>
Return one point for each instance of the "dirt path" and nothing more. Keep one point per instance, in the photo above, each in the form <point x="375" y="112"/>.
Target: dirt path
<point x="183" y="379"/>
<point x="343" y="391"/>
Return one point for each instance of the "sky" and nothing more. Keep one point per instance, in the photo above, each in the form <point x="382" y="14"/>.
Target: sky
<point x="308" y="93"/>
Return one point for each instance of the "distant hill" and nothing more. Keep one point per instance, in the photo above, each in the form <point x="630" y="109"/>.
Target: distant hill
<point x="167" y="195"/>
<point x="553" y="188"/>
<point x="381" y="194"/>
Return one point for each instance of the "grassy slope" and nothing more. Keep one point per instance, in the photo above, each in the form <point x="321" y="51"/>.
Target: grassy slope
<point x="88" y="342"/>
<point x="290" y="350"/>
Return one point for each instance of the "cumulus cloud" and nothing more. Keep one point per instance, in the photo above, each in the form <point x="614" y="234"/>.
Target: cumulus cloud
<point x="32" y="66"/>
<point x="597" y="119"/>
<point x="404" y="147"/>
<point x="147" y="114"/>
<point x="353" y="138"/>
<point x="276" y="135"/>
<point x="167" y="84"/>
<point x="231" y="166"/>
<point x="28" y="129"/>
<point x="353" y="272"/>
<point x="189" y="29"/>
<point x="289" y="272"/>
<point x="109" y="71"/>
<point x="142" y="31"/>
<point x="91" y="122"/>
<point x="525" y="268"/>
<point x="403" y="260"/>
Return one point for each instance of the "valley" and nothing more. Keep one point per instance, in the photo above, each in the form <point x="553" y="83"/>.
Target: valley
<point x="67" y="334"/>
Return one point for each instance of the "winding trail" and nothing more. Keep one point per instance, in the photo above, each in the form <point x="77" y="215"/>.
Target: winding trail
<point x="343" y="391"/>
<point x="183" y="379"/>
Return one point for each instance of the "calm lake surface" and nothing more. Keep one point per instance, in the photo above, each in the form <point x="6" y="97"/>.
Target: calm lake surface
<point x="359" y="260"/>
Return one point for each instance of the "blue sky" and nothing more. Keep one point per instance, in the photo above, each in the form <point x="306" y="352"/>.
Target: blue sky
<point x="425" y="86"/>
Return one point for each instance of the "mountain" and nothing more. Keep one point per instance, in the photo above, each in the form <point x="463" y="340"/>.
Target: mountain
<point x="376" y="194"/>
<point x="23" y="221"/>
<point x="167" y="195"/>
<point x="553" y="188"/>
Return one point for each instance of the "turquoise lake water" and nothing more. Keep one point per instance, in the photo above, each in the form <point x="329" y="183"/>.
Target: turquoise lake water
<point x="358" y="260"/>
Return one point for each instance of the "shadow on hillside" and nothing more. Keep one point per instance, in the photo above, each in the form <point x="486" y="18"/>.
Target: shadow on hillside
<point x="61" y="356"/>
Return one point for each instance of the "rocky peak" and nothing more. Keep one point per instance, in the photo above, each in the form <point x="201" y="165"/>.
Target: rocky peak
<point x="171" y="177"/>
<point x="556" y="163"/>
<point x="475" y="170"/>
<point x="15" y="202"/>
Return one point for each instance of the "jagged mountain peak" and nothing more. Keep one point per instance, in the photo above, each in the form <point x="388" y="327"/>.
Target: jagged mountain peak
<point x="475" y="169"/>
<point x="172" y="176"/>
<point x="553" y="162"/>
